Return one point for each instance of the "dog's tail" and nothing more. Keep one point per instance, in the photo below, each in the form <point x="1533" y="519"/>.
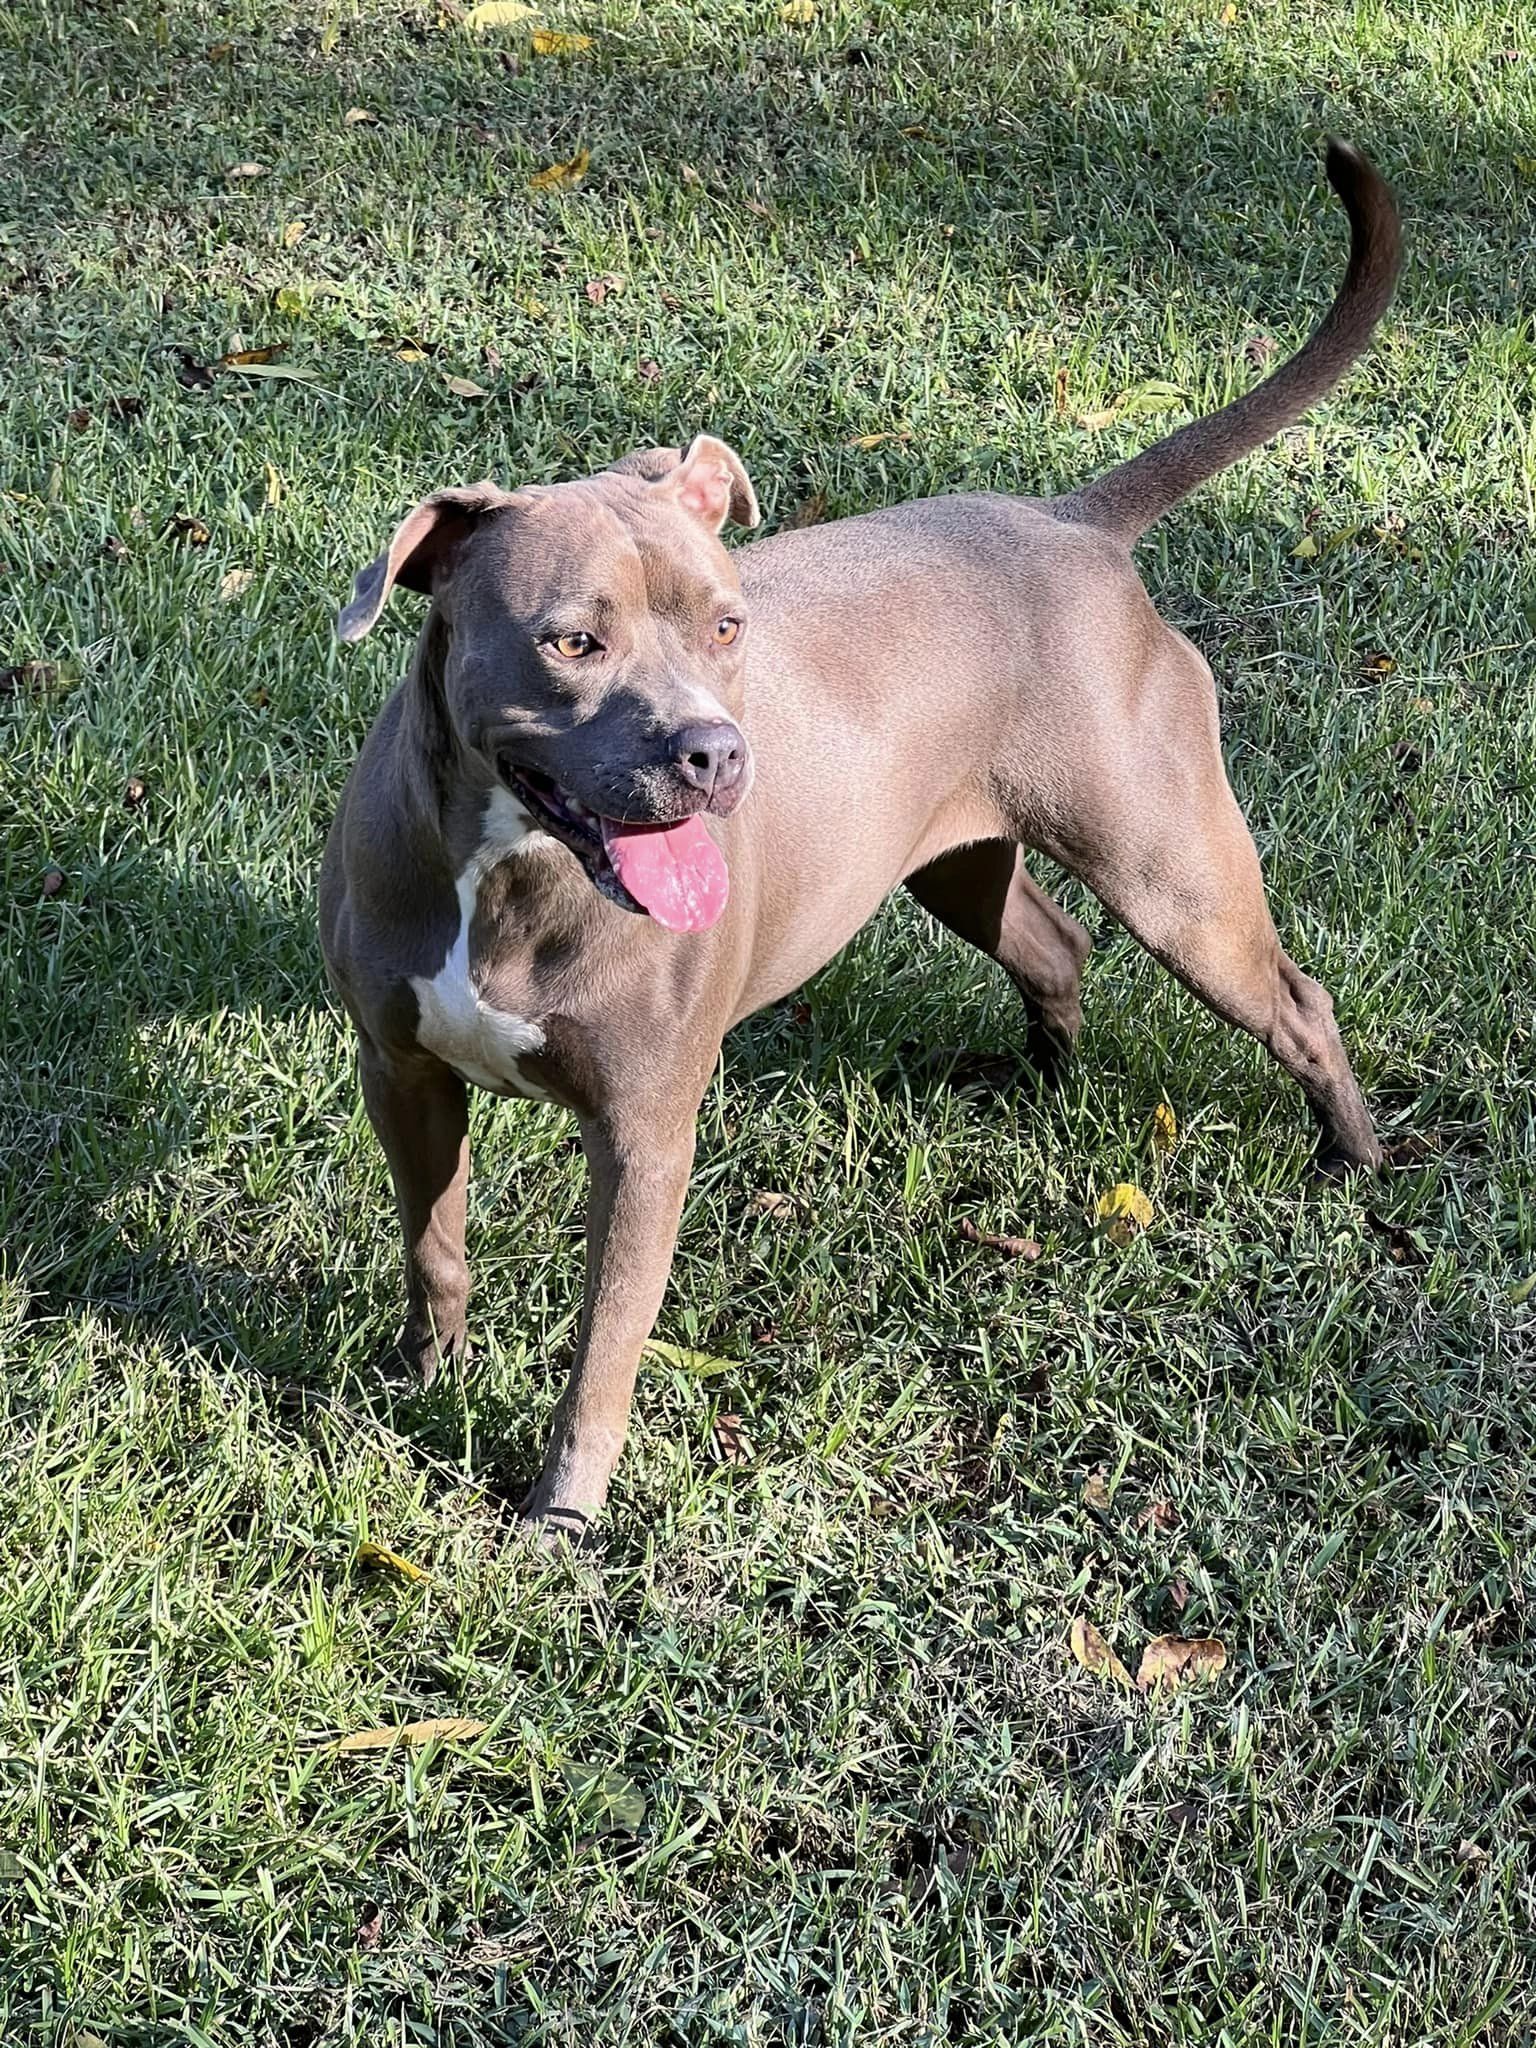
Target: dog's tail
<point x="1127" y="500"/>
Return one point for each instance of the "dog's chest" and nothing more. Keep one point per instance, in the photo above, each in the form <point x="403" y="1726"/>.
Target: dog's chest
<point x="486" y="1046"/>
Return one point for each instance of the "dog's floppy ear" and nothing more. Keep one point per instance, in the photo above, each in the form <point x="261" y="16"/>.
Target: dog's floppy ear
<point x="711" y="482"/>
<point x="420" y="554"/>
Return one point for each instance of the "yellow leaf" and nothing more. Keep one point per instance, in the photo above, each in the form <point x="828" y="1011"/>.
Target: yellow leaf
<point x="288" y="301"/>
<point x="698" y="1362"/>
<point x="1228" y="15"/>
<point x="1523" y="1289"/>
<point x="251" y="170"/>
<point x="1094" y="1654"/>
<point x="878" y="440"/>
<point x="559" y="177"/>
<point x="1526" y="166"/>
<point x="360" y="117"/>
<point x="413" y="1733"/>
<point x="274" y="489"/>
<point x="461" y="387"/>
<point x="534" y="308"/>
<point x="294" y="232"/>
<point x="1305" y="549"/>
<point x="1169" y="1660"/>
<point x="798" y="13"/>
<point x="498" y="14"/>
<point x="330" y="36"/>
<point x="234" y="582"/>
<point x="1165" y="1128"/>
<point x="1094" y="421"/>
<point x="554" y="42"/>
<point x="410" y="355"/>
<point x="374" y="1556"/>
<point x="1126" y="1210"/>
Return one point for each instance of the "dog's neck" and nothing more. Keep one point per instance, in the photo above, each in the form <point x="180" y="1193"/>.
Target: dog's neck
<point x="440" y="789"/>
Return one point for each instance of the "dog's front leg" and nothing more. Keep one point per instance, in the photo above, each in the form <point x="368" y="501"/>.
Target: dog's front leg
<point x="639" y="1172"/>
<point x="420" y="1112"/>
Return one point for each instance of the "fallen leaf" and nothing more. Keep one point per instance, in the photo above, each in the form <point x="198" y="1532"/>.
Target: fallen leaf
<point x="1526" y="166"/>
<point x="1522" y="1290"/>
<point x="127" y="407"/>
<point x="412" y="1733"/>
<point x="189" y="371"/>
<point x="798" y="13"/>
<point x="609" y="286"/>
<point x="1095" y="422"/>
<point x="650" y="370"/>
<point x="135" y="790"/>
<point x="1094" y="1654"/>
<point x="1377" y="665"/>
<point x="560" y="177"/>
<point x="273" y="486"/>
<point x="1261" y="349"/>
<point x="1126" y="1211"/>
<point x="1305" y="550"/>
<point x="554" y="42"/>
<point x="294" y="233"/>
<point x="39" y="676"/>
<point x="279" y="370"/>
<point x="114" y="549"/>
<point x="1471" y="1852"/>
<point x="809" y="512"/>
<point x="461" y="387"/>
<point x="1228" y="14"/>
<point x="916" y="132"/>
<point x="410" y="355"/>
<point x="251" y="170"/>
<point x="1165" y="1128"/>
<point x="689" y="175"/>
<point x="289" y="301"/>
<point x="53" y="882"/>
<point x="770" y="1202"/>
<point x="1413" y="1149"/>
<point x="498" y="14"/>
<point x="731" y="1444"/>
<point x="699" y="1363"/>
<point x="1161" y="1515"/>
<point x="1059" y="389"/>
<point x="79" y="419"/>
<point x="1403" y="1248"/>
<point x="1153" y="396"/>
<point x="534" y="308"/>
<point x="878" y="440"/>
<point x="234" y="583"/>
<point x="375" y="1557"/>
<point x="247" y="358"/>
<point x="1169" y="1660"/>
<point x="1011" y="1247"/>
<point x="360" y="117"/>
<point x="610" y="1803"/>
<point x="220" y="53"/>
<point x="186" y="526"/>
<point x="1096" y="1490"/>
<point x="370" y="1927"/>
<point x="1178" y="1593"/>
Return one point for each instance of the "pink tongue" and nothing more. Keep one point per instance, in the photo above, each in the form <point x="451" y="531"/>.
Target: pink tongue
<point x="674" y="870"/>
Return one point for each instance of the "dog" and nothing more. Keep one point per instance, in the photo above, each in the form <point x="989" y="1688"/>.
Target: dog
<point x="634" y="787"/>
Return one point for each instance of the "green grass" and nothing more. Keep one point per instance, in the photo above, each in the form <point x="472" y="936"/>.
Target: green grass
<point x="882" y="1804"/>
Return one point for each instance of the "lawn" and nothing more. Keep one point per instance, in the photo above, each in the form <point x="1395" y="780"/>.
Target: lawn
<point x="799" y="1753"/>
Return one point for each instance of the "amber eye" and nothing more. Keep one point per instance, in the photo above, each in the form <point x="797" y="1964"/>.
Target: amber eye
<point x="726" y="631"/>
<point x="573" y="645"/>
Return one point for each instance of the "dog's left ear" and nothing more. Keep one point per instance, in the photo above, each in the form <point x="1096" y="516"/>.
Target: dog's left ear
<point x="711" y="482"/>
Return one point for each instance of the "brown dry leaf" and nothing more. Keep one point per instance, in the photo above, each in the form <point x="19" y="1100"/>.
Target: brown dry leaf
<point x="1165" y="1128"/>
<point x="1011" y="1247"/>
<point x="370" y="1927"/>
<point x="879" y="440"/>
<point x="412" y="1733"/>
<point x="731" y="1444"/>
<point x="376" y="1557"/>
<point x="1059" y="390"/>
<point x="1095" y="421"/>
<point x="1096" y="1490"/>
<point x="769" y="1202"/>
<point x="1161" y="1515"/>
<point x="1178" y="1593"/>
<point x="220" y="53"/>
<point x="1260" y="349"/>
<point x="461" y="387"/>
<point x="79" y="419"/>
<point x="135" y="790"/>
<point x="555" y="42"/>
<point x="609" y="286"/>
<point x="650" y="370"/>
<point x="1471" y="1852"/>
<point x="53" y="881"/>
<point x="561" y="177"/>
<point x="809" y="512"/>
<point x="127" y="407"/>
<point x="1169" y="1660"/>
<point x="294" y="233"/>
<point x="234" y="583"/>
<point x="1377" y="664"/>
<point x="186" y="526"/>
<point x="30" y="675"/>
<point x="1403" y="1248"/>
<point x="1125" y="1211"/>
<point x="250" y="170"/>
<point x="244" y="358"/>
<point x="360" y="117"/>
<point x="1094" y="1654"/>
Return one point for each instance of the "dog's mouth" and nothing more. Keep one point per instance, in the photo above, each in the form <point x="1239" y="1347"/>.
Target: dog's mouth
<point x="673" y="873"/>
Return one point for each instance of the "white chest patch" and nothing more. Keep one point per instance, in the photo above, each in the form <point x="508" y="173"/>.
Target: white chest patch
<point x="483" y="1044"/>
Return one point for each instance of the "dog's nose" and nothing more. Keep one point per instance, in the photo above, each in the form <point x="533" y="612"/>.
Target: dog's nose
<point x="710" y="757"/>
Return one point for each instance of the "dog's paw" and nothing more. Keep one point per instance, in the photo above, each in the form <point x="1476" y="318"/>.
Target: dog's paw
<point x="415" y="1359"/>
<point x="555" y="1529"/>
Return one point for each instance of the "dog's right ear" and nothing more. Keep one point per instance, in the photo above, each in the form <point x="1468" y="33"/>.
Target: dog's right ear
<point x="422" y="552"/>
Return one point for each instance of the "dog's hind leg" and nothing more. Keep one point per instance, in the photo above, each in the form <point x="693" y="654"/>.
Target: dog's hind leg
<point x="1166" y="849"/>
<point x="986" y="895"/>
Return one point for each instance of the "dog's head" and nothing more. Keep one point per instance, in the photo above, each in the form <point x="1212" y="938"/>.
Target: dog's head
<point x="594" y="634"/>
